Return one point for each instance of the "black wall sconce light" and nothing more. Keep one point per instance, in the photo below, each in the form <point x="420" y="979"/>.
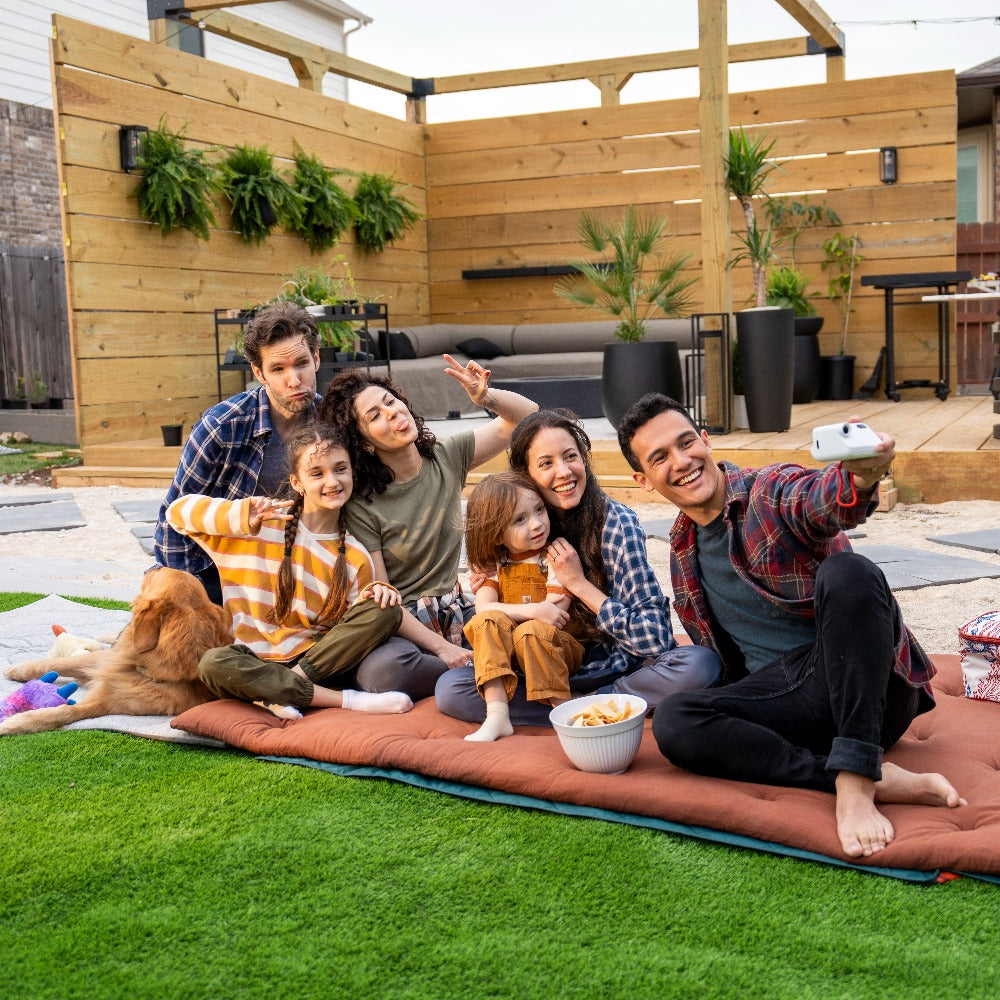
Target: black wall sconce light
<point x="888" y="164"/>
<point x="130" y="145"/>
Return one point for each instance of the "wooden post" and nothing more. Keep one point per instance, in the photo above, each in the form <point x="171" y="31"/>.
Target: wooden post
<point x="836" y="71"/>
<point x="713" y="120"/>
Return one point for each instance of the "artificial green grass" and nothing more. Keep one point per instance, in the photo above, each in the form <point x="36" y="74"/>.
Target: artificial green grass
<point x="134" y="869"/>
<point x="140" y="869"/>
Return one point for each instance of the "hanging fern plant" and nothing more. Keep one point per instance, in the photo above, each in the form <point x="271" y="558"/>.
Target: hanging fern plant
<point x="327" y="209"/>
<point x="177" y="184"/>
<point x="258" y="195"/>
<point x="383" y="214"/>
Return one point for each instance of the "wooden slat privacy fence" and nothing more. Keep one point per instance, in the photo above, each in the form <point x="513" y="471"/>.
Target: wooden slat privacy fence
<point x="34" y="329"/>
<point x="500" y="192"/>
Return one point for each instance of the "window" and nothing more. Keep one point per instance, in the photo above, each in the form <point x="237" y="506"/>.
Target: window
<point x="975" y="175"/>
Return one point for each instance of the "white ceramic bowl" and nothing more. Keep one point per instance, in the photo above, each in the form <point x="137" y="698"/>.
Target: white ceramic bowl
<point x="607" y="749"/>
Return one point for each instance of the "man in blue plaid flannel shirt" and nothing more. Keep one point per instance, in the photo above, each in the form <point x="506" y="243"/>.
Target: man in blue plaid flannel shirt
<point x="237" y="448"/>
<point x="821" y="674"/>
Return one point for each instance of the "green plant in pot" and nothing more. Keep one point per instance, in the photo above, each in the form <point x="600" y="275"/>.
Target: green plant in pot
<point x="842" y="258"/>
<point x="640" y="281"/>
<point x="177" y="184"/>
<point x="317" y="288"/>
<point x="383" y="214"/>
<point x="765" y="334"/>
<point x="328" y="210"/>
<point x="258" y="195"/>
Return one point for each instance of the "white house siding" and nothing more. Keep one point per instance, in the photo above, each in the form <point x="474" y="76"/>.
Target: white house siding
<point x="26" y="28"/>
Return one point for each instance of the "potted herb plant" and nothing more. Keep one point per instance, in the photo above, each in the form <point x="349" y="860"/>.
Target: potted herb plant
<point x="327" y="209"/>
<point x="258" y="195"/>
<point x="177" y="183"/>
<point x="383" y="214"/>
<point x="638" y="282"/>
<point x="837" y="371"/>
<point x="39" y="392"/>
<point x="765" y="334"/>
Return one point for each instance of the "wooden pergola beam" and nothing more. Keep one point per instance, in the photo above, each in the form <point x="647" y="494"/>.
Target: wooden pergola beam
<point x="816" y="21"/>
<point x="299" y="53"/>
<point x="627" y="66"/>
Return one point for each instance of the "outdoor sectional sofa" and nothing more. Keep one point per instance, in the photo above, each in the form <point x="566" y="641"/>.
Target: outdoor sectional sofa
<point x="531" y="349"/>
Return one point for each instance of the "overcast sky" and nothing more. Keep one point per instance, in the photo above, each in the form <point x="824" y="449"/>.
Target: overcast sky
<point x="445" y="37"/>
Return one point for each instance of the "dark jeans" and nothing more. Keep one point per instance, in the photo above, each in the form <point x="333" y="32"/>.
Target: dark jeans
<point x="818" y="709"/>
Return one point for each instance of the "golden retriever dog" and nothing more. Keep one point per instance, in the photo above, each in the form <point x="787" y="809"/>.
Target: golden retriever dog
<point x="152" y="668"/>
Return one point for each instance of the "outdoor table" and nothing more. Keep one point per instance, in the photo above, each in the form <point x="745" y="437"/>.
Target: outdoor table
<point x="890" y="283"/>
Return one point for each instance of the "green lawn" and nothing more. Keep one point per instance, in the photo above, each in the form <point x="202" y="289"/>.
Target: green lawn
<point x="134" y="869"/>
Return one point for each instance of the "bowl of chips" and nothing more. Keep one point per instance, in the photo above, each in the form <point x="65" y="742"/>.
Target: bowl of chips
<point x="600" y="732"/>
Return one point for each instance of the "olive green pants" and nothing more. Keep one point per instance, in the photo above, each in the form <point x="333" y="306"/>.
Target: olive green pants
<point x="235" y="672"/>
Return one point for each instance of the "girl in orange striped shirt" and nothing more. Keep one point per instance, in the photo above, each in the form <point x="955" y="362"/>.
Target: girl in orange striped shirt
<point x="305" y="605"/>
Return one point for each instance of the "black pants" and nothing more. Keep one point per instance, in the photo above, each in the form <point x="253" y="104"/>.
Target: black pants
<point x="818" y="709"/>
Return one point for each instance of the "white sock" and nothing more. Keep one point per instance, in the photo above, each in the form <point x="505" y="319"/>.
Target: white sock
<point x="385" y="701"/>
<point x="497" y="724"/>
<point x="281" y="711"/>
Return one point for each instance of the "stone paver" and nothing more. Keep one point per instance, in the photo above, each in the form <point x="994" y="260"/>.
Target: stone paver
<point x="984" y="540"/>
<point x="53" y="516"/>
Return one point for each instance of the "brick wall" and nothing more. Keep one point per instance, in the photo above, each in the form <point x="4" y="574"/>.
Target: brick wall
<point x="29" y="186"/>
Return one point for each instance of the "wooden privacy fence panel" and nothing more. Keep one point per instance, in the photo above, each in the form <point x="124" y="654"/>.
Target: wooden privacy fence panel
<point x="141" y="306"/>
<point x="496" y="193"/>
<point x="508" y="192"/>
<point x="34" y="330"/>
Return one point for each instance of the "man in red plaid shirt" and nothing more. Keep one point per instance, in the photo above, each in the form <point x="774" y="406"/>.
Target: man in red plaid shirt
<point x="821" y="674"/>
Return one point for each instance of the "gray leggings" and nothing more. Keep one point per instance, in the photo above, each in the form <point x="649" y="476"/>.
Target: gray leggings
<point x="684" y="668"/>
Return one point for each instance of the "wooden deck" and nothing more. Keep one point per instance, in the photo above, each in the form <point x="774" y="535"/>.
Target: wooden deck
<point x="944" y="451"/>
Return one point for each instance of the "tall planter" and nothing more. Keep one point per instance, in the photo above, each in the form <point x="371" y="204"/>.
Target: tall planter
<point x="632" y="369"/>
<point x="766" y="339"/>
<point x="807" y="364"/>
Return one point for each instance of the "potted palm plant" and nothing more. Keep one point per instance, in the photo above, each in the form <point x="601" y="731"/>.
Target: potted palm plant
<point x="765" y="334"/>
<point x="258" y="195"/>
<point x="638" y="282"/>
<point x="177" y="183"/>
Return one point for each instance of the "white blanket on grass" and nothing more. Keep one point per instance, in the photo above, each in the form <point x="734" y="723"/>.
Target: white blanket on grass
<point x="26" y="634"/>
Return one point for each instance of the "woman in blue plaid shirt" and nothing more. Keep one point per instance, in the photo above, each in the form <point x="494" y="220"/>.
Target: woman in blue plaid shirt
<point x="619" y="613"/>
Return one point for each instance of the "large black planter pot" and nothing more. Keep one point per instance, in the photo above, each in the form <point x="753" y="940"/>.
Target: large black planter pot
<point x="766" y="339"/>
<point x="836" y="376"/>
<point x="807" y="367"/>
<point x="632" y="370"/>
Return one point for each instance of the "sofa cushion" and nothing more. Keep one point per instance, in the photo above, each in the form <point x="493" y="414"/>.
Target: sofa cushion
<point x="480" y="348"/>
<point x="400" y="346"/>
<point x="443" y="338"/>
<point x="554" y="338"/>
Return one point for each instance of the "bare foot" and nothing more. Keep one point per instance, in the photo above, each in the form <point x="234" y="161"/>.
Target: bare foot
<point x="900" y="785"/>
<point x="862" y="829"/>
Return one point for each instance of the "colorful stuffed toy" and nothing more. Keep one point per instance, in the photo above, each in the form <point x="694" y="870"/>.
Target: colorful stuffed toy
<point x="41" y="693"/>
<point x="72" y="645"/>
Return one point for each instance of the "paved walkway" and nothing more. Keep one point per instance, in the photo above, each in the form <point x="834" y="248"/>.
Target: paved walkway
<point x="904" y="568"/>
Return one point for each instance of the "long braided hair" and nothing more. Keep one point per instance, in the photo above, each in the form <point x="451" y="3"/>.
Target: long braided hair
<point x="583" y="526"/>
<point x="313" y="440"/>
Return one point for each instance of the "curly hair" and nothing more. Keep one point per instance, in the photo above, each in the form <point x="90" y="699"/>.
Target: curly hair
<point x="371" y="475"/>
<point x="583" y="526"/>
<point x="314" y="438"/>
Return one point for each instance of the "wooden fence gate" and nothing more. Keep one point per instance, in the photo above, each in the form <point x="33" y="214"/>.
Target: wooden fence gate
<point x="34" y="326"/>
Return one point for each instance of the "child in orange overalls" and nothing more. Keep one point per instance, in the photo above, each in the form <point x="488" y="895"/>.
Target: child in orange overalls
<point x="521" y="608"/>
